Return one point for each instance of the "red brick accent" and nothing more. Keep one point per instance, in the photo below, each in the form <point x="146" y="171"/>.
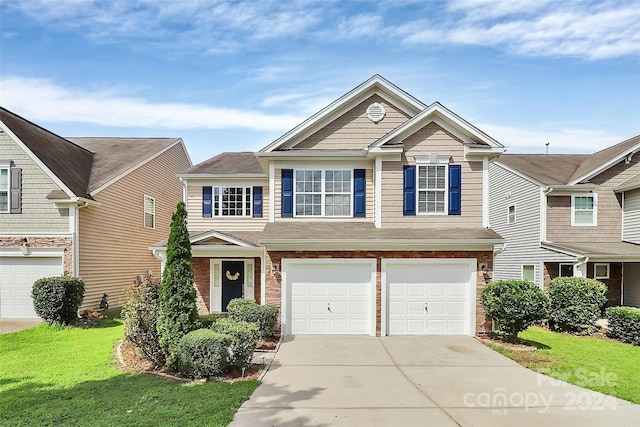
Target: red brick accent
<point x="202" y="278"/>
<point x="45" y="242"/>
<point x="274" y="283"/>
<point x="614" y="282"/>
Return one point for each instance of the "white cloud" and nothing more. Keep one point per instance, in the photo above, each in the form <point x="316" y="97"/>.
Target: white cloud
<point x="42" y="100"/>
<point x="563" y="140"/>
<point x="536" y="28"/>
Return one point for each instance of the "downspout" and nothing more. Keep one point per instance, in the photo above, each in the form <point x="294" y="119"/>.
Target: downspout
<point x="74" y="238"/>
<point x="579" y="264"/>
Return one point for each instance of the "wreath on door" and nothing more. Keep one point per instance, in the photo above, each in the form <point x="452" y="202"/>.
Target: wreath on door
<point x="233" y="276"/>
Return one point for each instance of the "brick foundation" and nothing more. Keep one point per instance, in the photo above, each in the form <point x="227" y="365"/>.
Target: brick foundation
<point x="65" y="243"/>
<point x="614" y="282"/>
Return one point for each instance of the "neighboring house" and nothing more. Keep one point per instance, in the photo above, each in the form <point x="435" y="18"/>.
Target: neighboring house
<point x="570" y="215"/>
<point x="370" y="217"/>
<point x="86" y="207"/>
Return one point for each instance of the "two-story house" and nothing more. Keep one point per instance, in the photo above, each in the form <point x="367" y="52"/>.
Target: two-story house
<point x="370" y="217"/>
<point x="87" y="207"/>
<point x="570" y="215"/>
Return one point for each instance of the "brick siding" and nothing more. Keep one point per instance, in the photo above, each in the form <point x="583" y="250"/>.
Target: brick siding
<point x="45" y="242"/>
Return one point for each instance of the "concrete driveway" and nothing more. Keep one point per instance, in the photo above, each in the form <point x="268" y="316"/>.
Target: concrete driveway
<point x="416" y="381"/>
<point x="15" y="325"/>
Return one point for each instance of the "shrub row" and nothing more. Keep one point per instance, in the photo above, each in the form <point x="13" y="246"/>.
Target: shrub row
<point x="140" y="314"/>
<point x="573" y="304"/>
<point x="624" y="324"/>
<point x="265" y="317"/>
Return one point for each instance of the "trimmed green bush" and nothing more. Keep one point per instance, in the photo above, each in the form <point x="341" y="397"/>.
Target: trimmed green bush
<point x="202" y="353"/>
<point x="57" y="299"/>
<point x="140" y="313"/>
<point x="244" y="338"/>
<point x="178" y="313"/>
<point x="207" y="320"/>
<point x="514" y="305"/>
<point x="576" y="304"/>
<point x="624" y="324"/>
<point x="265" y="317"/>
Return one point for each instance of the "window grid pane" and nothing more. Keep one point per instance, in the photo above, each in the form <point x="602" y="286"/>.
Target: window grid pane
<point x="337" y="193"/>
<point x="232" y="201"/>
<point x="308" y="192"/>
<point x="431" y="188"/>
<point x="528" y="273"/>
<point x="583" y="209"/>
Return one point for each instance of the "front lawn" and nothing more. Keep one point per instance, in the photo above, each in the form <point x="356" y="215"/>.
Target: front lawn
<point x="67" y="376"/>
<point x="598" y="364"/>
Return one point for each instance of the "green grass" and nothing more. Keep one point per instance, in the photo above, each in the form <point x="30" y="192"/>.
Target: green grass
<point x="52" y="376"/>
<point x="598" y="364"/>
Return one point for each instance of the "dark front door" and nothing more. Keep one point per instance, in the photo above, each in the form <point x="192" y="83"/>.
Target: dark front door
<point x="566" y="270"/>
<point x="232" y="281"/>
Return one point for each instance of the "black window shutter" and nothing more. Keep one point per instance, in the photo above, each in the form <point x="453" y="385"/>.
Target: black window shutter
<point x="286" y="208"/>
<point x="455" y="189"/>
<point x="409" y="190"/>
<point x="206" y="202"/>
<point x="257" y="202"/>
<point x="359" y="193"/>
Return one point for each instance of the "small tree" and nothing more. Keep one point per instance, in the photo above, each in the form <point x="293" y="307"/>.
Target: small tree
<point x="140" y="314"/>
<point x="514" y="305"/>
<point x="178" y="313"/>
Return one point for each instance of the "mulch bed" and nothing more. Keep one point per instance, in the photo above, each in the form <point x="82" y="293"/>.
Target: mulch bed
<point x="129" y="360"/>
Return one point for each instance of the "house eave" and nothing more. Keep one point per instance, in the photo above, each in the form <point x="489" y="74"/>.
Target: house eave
<point x="223" y="175"/>
<point x="385" y="245"/>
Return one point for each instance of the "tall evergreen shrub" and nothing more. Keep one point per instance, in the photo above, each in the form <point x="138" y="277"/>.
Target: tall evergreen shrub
<point x="177" y="313"/>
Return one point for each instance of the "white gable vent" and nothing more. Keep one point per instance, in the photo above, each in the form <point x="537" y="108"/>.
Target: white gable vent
<point x="375" y="112"/>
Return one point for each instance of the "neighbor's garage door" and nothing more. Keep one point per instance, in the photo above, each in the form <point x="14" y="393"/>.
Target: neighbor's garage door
<point x="329" y="296"/>
<point x="433" y="296"/>
<point x="17" y="275"/>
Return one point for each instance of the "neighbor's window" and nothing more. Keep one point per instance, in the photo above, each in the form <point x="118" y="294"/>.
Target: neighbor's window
<point x="601" y="271"/>
<point x="231" y="201"/>
<point x="512" y="214"/>
<point x="583" y="210"/>
<point x="4" y="189"/>
<point x="432" y="189"/>
<point x="529" y="273"/>
<point x="323" y="192"/>
<point x="149" y="212"/>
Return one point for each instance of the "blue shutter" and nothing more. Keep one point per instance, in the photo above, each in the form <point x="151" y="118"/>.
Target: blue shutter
<point x="257" y="202"/>
<point x="455" y="189"/>
<point x="409" y="190"/>
<point x="206" y="202"/>
<point x="359" y="193"/>
<point x="286" y="209"/>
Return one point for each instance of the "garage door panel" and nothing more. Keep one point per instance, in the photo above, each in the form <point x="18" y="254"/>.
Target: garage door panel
<point x="337" y="298"/>
<point x="17" y="275"/>
<point x="444" y="288"/>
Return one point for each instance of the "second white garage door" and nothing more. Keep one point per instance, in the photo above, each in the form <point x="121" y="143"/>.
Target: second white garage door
<point x="429" y="296"/>
<point x="329" y="296"/>
<point x="17" y="275"/>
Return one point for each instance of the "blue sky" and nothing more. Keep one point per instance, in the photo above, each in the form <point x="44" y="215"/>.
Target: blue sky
<point x="234" y="75"/>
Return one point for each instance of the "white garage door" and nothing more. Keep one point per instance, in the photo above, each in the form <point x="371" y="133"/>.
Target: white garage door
<point x="329" y="296"/>
<point x="430" y="297"/>
<point x="17" y="275"/>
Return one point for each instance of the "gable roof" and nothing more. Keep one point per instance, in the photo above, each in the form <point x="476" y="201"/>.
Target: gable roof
<point x="375" y="84"/>
<point x="569" y="169"/>
<point x="630" y="184"/>
<point x="67" y="161"/>
<point x="446" y="118"/>
<point x="604" y="159"/>
<point x="113" y="157"/>
<point x="548" y="169"/>
<point x="227" y="164"/>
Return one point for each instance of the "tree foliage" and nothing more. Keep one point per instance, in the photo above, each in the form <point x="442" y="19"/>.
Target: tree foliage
<point x="178" y="313"/>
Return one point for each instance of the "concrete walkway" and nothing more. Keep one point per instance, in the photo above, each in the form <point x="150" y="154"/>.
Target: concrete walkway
<point x="15" y="325"/>
<point x="417" y="381"/>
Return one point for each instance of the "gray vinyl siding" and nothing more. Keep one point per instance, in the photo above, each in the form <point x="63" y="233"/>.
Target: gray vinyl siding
<point x="631" y="285"/>
<point x="38" y="214"/>
<point x="523" y="237"/>
<point x="631" y="217"/>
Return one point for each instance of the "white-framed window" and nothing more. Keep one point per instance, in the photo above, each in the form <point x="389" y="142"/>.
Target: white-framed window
<point x="529" y="273"/>
<point x="149" y="212"/>
<point x="432" y="189"/>
<point x="4" y="188"/>
<point x="511" y="214"/>
<point x="583" y="209"/>
<point x="231" y="201"/>
<point x="601" y="270"/>
<point x="323" y="192"/>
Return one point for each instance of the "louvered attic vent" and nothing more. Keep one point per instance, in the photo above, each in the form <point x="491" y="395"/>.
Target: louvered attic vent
<point x="375" y="112"/>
